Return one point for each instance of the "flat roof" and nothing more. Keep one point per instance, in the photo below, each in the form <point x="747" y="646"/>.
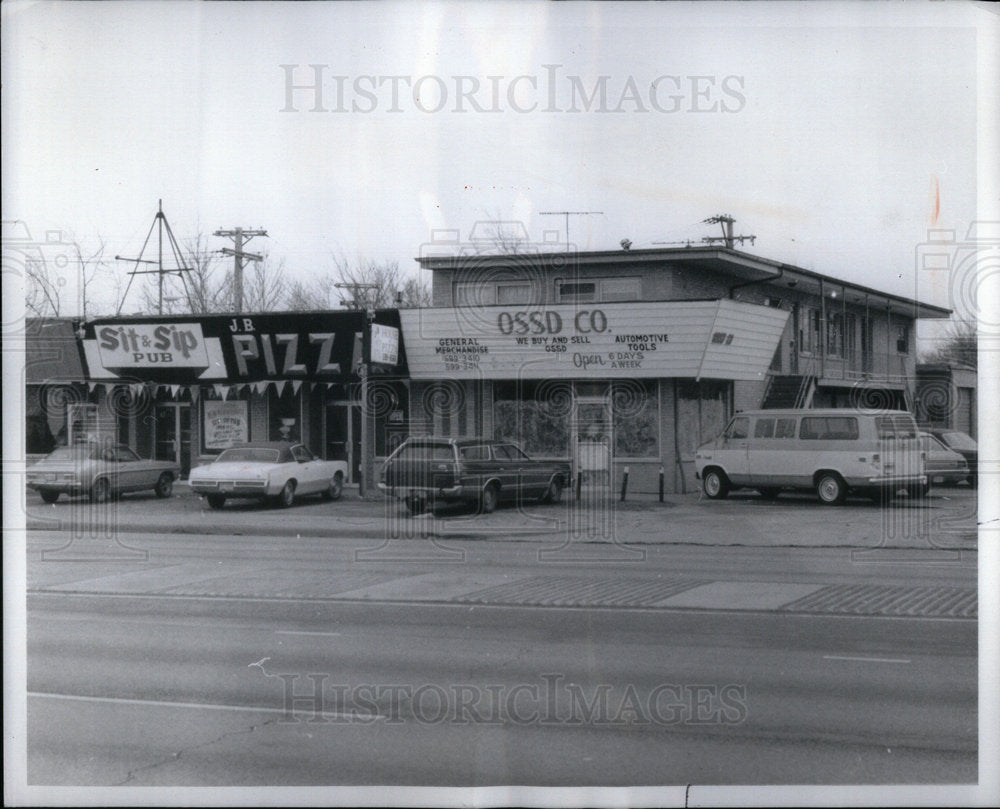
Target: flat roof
<point x="722" y="260"/>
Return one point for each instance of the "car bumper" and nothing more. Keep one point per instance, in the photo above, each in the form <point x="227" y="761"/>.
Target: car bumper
<point x="443" y="493"/>
<point x="233" y="488"/>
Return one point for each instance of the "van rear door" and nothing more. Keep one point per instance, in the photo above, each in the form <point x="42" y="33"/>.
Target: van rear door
<point x="899" y="445"/>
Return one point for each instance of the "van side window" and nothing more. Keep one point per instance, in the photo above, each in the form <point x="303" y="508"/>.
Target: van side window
<point x="785" y="428"/>
<point x="764" y="428"/>
<point x="739" y="428"/>
<point x="829" y="428"/>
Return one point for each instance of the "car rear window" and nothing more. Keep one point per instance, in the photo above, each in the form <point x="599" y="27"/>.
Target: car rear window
<point x="959" y="441"/>
<point x="427" y="452"/>
<point x="248" y="455"/>
<point x="479" y="452"/>
<point x="828" y="428"/>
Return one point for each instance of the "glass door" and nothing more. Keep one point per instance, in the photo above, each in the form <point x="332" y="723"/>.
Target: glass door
<point x="173" y="435"/>
<point x="591" y="432"/>
<point x="343" y="437"/>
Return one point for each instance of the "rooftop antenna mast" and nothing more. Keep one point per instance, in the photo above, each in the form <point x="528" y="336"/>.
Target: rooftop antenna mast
<point x="161" y="225"/>
<point x="727" y="237"/>
<point x="568" y="214"/>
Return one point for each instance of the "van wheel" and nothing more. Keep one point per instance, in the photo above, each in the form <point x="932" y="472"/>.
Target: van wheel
<point x="48" y="496"/>
<point x="831" y="489"/>
<point x="715" y="484"/>
<point x="769" y="492"/>
<point x="490" y="497"/>
<point x="416" y="505"/>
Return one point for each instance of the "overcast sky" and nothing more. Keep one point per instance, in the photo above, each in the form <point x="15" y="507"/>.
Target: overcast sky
<point x="836" y="133"/>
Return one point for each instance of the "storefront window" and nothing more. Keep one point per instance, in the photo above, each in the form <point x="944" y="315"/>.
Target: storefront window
<point x="224" y="423"/>
<point x="636" y="418"/>
<point x="533" y="415"/>
<point x="284" y="416"/>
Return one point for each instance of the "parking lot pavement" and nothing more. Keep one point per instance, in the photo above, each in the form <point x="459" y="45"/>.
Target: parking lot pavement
<point x="945" y="520"/>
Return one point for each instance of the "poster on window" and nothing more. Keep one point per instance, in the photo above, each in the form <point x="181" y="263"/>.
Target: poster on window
<point x="225" y="424"/>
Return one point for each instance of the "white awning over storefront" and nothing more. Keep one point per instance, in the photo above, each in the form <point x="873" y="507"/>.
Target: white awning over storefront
<point x="718" y="339"/>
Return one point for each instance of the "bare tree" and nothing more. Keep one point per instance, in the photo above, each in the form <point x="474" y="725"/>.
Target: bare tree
<point x="201" y="289"/>
<point x="957" y="345"/>
<point x="497" y="234"/>
<point x="46" y="270"/>
<point x="379" y="285"/>
<point x="264" y="285"/>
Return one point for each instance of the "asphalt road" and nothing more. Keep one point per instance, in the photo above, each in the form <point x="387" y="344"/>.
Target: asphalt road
<point x="136" y="677"/>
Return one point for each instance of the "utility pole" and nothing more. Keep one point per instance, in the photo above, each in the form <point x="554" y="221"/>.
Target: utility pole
<point x="568" y="214"/>
<point x="159" y="222"/>
<point x="367" y="459"/>
<point x="240" y="236"/>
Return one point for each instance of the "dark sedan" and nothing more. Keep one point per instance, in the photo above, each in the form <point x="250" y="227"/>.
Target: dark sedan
<point x="424" y="471"/>
<point x="961" y="443"/>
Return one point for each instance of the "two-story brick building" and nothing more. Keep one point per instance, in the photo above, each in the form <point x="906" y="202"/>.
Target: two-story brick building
<point x="634" y="357"/>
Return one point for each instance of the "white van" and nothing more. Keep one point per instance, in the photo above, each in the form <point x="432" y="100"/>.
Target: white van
<point x="831" y="452"/>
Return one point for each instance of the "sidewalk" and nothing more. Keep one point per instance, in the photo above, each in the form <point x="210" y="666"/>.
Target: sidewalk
<point x="946" y="520"/>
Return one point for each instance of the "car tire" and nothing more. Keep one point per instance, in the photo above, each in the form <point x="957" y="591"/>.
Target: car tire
<point x="715" y="484"/>
<point x="336" y="487"/>
<point x="553" y="494"/>
<point x="216" y="500"/>
<point x="416" y="505"/>
<point x="769" y="492"/>
<point x="164" y="485"/>
<point x="918" y="491"/>
<point x="100" y="491"/>
<point x="286" y="497"/>
<point x="489" y="498"/>
<point x="831" y="489"/>
<point x="48" y="496"/>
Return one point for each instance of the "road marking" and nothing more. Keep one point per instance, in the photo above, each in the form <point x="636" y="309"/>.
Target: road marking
<point x="866" y="659"/>
<point x="156" y="703"/>
<point x="305" y="632"/>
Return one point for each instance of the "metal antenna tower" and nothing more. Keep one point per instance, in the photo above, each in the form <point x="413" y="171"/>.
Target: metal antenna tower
<point x="568" y="214"/>
<point x="727" y="237"/>
<point x="161" y="224"/>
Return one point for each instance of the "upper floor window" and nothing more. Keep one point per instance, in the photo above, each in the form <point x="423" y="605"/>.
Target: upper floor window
<point x="513" y="293"/>
<point x="599" y="289"/>
<point x="903" y="338"/>
<point x="490" y="293"/>
<point x="584" y="292"/>
<point x="835" y="335"/>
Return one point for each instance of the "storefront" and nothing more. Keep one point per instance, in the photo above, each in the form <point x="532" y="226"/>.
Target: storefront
<point x="185" y="388"/>
<point x="608" y="386"/>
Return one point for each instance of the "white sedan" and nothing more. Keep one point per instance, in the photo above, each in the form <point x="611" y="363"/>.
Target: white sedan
<point x="272" y="471"/>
